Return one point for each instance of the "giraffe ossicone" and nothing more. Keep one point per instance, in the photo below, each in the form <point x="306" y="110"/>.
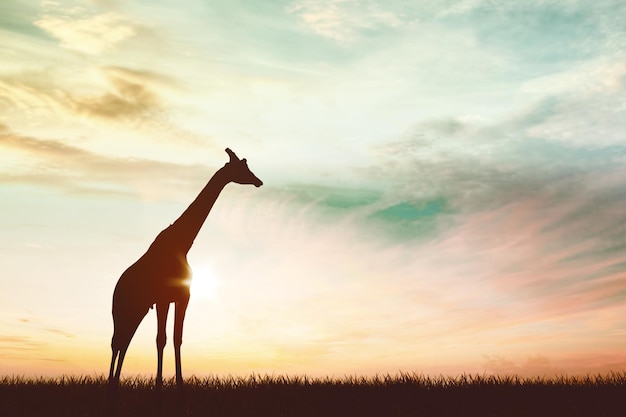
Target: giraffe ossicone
<point x="161" y="275"/>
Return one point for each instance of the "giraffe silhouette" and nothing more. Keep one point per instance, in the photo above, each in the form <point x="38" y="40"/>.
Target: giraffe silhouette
<point x="161" y="275"/>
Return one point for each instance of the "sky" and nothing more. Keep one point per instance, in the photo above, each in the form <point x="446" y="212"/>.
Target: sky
<point x="444" y="183"/>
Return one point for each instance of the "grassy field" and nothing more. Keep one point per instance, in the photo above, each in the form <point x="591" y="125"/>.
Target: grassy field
<point x="275" y="396"/>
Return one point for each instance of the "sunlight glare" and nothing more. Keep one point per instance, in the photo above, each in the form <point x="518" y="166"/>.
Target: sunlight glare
<point x="204" y="283"/>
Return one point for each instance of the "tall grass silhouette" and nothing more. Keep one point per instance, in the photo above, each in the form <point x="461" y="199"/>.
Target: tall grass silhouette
<point x="403" y="394"/>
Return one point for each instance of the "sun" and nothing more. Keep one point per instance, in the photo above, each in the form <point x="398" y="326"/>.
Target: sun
<point x="204" y="283"/>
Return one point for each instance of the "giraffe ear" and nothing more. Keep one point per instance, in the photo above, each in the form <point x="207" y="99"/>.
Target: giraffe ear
<point x="233" y="157"/>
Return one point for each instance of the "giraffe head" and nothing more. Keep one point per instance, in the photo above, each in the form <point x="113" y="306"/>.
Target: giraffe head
<point x="239" y="172"/>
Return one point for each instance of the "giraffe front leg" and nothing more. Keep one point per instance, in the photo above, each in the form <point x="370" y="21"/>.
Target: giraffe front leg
<point x="162" y="309"/>
<point x="179" y="318"/>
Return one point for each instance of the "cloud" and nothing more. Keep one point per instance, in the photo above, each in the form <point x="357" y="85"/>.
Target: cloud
<point x="341" y="20"/>
<point x="89" y="34"/>
<point x="572" y="129"/>
<point x="129" y="95"/>
<point x="508" y="280"/>
<point x="601" y="76"/>
<point x="77" y="170"/>
<point x="556" y="30"/>
<point x="39" y="325"/>
<point x="540" y="215"/>
<point x="538" y="365"/>
<point x="132" y="97"/>
<point x="532" y="366"/>
<point x="557" y="140"/>
<point x="556" y="253"/>
<point x="499" y="365"/>
<point x="59" y="332"/>
<point x="19" y="344"/>
<point x="591" y="120"/>
<point x="531" y="248"/>
<point x="29" y="93"/>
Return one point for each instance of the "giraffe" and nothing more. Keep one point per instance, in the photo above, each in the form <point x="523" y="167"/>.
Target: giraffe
<point x="161" y="275"/>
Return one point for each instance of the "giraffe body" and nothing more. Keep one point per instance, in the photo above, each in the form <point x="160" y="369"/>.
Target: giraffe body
<point x="162" y="275"/>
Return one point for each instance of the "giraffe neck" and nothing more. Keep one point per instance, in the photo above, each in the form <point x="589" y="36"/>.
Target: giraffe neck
<point x="187" y="226"/>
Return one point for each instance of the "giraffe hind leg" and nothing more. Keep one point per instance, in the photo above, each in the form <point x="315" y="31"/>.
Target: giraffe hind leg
<point x="114" y="355"/>
<point x="118" y="371"/>
<point x="125" y="325"/>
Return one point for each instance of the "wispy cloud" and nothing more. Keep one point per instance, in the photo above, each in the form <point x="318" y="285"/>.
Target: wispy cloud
<point x="10" y="344"/>
<point x="342" y="20"/>
<point x="589" y="110"/>
<point x="538" y="365"/>
<point x="498" y="282"/>
<point x="557" y="140"/>
<point x="29" y="93"/>
<point x="79" y="30"/>
<point x="73" y="169"/>
<point x="131" y="96"/>
<point x="135" y="100"/>
<point x="128" y="94"/>
<point x="531" y="248"/>
<point x="59" y="332"/>
<point x="459" y="169"/>
<point x="45" y="327"/>
<point x="534" y="365"/>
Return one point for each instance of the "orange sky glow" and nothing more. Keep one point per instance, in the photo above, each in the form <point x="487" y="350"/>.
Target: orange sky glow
<point x="443" y="183"/>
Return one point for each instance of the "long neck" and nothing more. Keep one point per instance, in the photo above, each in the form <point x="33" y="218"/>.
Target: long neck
<point x="189" y="223"/>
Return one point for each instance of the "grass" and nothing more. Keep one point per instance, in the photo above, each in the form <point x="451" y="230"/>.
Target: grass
<point x="275" y="396"/>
